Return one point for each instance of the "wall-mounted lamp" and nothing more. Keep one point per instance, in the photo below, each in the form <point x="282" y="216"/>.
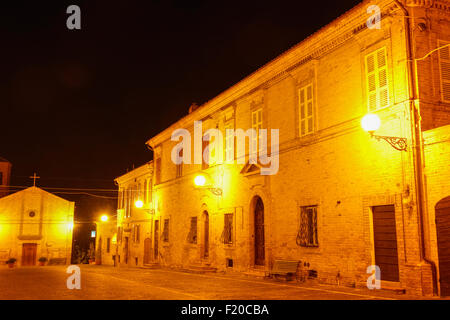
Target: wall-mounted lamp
<point x="200" y="181"/>
<point x="139" y="204"/>
<point x="371" y="123"/>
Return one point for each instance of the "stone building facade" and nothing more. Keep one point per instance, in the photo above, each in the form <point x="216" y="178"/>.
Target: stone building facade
<point x="106" y="242"/>
<point x="341" y="200"/>
<point x="135" y="220"/>
<point x="34" y="224"/>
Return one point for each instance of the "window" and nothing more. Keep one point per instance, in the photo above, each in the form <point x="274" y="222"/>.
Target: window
<point x="180" y="166"/>
<point x="205" y="157"/>
<point x="108" y="245"/>
<point x="228" y="229"/>
<point x="192" y="236"/>
<point x="166" y="231"/>
<point x="444" y="66"/>
<point x="158" y="171"/>
<point x="137" y="233"/>
<point x="229" y="143"/>
<point x="257" y="120"/>
<point x="307" y="234"/>
<point x="377" y="80"/>
<point x="306" y="110"/>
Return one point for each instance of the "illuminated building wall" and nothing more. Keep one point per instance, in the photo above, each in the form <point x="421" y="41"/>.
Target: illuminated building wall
<point x="134" y="221"/>
<point x="34" y="224"/>
<point x="325" y="206"/>
<point x="106" y="242"/>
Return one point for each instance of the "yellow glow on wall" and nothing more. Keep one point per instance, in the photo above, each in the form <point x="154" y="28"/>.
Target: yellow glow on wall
<point x="200" y="181"/>
<point x="370" y="123"/>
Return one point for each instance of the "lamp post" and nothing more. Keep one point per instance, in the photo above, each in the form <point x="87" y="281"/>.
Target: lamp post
<point x="371" y="123"/>
<point x="200" y="182"/>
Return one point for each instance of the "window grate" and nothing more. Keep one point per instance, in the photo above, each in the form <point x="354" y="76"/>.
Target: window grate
<point x="307" y="234"/>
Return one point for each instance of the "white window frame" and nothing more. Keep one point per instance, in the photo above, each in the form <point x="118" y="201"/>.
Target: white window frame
<point x="257" y="124"/>
<point x="306" y="119"/>
<point x="380" y="85"/>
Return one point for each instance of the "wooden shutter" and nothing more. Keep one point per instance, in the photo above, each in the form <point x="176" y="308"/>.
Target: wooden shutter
<point x="385" y="241"/>
<point x="377" y="83"/>
<point x="444" y="65"/>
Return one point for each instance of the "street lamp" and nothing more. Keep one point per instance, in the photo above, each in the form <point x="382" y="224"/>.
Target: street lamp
<point x="371" y="123"/>
<point x="200" y="182"/>
<point x="104" y="218"/>
<point x="139" y="204"/>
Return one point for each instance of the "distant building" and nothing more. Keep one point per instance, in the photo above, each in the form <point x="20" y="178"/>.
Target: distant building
<point x="33" y="224"/>
<point x="138" y="233"/>
<point x="106" y="242"/>
<point x="5" y="176"/>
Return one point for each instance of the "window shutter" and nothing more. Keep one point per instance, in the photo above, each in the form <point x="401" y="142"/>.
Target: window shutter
<point x="377" y="80"/>
<point x="444" y="63"/>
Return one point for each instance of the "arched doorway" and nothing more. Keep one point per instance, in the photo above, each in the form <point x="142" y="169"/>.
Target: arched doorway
<point x="442" y="210"/>
<point x="205" y="235"/>
<point x="259" y="231"/>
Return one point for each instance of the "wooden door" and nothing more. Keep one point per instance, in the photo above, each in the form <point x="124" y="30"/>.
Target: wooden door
<point x="147" y="248"/>
<point x="385" y="241"/>
<point x="206" y="235"/>
<point x="126" y="250"/>
<point x="259" y="233"/>
<point x="29" y="254"/>
<point x="443" y="242"/>
<point x="156" y="238"/>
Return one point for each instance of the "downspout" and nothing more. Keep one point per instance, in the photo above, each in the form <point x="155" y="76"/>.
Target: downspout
<point x="417" y="144"/>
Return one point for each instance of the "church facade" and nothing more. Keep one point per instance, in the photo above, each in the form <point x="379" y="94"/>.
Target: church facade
<point x="5" y="176"/>
<point x="34" y="224"/>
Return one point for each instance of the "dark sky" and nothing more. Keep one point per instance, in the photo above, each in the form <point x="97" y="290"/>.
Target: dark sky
<point x="77" y="106"/>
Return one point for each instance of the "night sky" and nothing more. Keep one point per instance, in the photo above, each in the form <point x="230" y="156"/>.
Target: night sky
<point x="77" y="106"/>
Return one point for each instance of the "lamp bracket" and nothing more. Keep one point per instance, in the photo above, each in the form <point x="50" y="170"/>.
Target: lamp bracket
<point x="400" y="144"/>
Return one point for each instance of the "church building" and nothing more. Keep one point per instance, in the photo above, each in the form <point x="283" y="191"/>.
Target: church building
<point x="5" y="174"/>
<point x="33" y="224"/>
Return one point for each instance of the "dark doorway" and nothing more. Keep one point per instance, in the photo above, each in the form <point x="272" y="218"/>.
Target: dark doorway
<point x="156" y="238"/>
<point x="206" y="235"/>
<point x="259" y="233"/>
<point x="443" y="241"/>
<point x="125" y="258"/>
<point x="385" y="241"/>
<point x="29" y="254"/>
<point x="147" y="248"/>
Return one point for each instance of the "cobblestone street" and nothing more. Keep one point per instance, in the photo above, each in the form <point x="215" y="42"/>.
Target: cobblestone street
<point x="103" y="282"/>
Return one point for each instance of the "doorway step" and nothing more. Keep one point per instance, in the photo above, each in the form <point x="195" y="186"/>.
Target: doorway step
<point x="258" y="273"/>
<point x="199" y="267"/>
<point x="152" y="265"/>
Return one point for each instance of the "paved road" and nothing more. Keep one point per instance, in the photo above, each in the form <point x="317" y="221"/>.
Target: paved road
<point x="103" y="282"/>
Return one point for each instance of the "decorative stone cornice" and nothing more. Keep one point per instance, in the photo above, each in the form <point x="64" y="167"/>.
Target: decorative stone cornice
<point x="313" y="47"/>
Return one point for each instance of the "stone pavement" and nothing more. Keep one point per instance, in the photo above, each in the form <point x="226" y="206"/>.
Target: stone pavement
<point x="104" y="282"/>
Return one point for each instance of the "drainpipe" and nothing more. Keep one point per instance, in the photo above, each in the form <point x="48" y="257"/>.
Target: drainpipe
<point x="417" y="144"/>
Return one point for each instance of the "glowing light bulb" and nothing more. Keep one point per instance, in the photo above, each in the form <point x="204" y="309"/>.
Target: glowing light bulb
<point x="200" y="180"/>
<point x="370" y="123"/>
<point x="104" y="218"/>
<point x="139" y="204"/>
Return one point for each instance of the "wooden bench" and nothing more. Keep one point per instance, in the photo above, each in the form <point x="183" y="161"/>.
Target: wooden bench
<point x="284" y="268"/>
